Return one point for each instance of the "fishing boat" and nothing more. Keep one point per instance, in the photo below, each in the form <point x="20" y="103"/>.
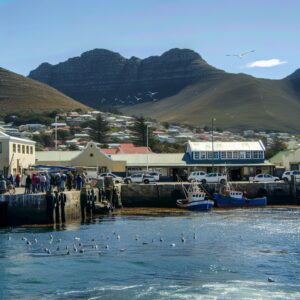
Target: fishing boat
<point x="232" y="198"/>
<point x="195" y="198"/>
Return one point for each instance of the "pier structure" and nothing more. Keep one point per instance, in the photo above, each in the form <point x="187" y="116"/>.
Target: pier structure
<point x="57" y="208"/>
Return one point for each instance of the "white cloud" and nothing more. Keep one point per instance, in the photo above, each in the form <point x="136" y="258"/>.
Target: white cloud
<point x="266" y="63"/>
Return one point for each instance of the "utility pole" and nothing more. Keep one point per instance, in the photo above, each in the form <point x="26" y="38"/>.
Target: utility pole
<point x="212" y="143"/>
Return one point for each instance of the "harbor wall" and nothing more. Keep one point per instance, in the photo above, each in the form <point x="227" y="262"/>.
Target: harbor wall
<point x="18" y="209"/>
<point x="165" y="195"/>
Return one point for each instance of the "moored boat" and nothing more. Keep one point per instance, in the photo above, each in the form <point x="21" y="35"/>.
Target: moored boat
<point x="232" y="198"/>
<point x="195" y="199"/>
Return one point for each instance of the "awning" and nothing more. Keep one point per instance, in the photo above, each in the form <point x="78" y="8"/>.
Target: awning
<point x="53" y="167"/>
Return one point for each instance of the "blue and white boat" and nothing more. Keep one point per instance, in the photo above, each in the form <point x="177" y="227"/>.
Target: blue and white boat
<point x="195" y="198"/>
<point x="232" y="198"/>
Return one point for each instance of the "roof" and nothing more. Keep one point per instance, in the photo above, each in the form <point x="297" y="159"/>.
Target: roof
<point x="4" y="136"/>
<point x="153" y="159"/>
<point x="127" y="149"/>
<point x="278" y="157"/>
<point x="227" y="146"/>
<point x="109" y="151"/>
<point x="55" y="155"/>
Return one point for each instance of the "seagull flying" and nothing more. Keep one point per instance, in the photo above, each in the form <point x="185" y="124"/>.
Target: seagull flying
<point x="241" y="55"/>
<point x="151" y="94"/>
<point x="137" y="98"/>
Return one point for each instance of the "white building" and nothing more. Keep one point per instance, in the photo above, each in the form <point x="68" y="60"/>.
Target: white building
<point x="16" y="154"/>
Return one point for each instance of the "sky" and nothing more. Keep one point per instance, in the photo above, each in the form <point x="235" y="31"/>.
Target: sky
<point x="37" y="31"/>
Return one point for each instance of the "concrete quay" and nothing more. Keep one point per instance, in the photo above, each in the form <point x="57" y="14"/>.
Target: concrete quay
<point x="21" y="209"/>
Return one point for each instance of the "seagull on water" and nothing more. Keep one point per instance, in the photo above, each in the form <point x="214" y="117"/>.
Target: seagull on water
<point x="241" y="55"/>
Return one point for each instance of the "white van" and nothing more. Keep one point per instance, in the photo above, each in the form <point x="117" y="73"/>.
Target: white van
<point x="197" y="175"/>
<point x="287" y="175"/>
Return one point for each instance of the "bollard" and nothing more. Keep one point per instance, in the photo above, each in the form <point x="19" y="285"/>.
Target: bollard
<point x="63" y="200"/>
<point x="50" y="200"/>
<point x="83" y="203"/>
<point x="56" y="205"/>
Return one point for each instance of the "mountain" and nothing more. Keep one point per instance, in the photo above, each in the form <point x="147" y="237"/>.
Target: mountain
<point x="102" y="77"/>
<point x="188" y="89"/>
<point x="21" y="95"/>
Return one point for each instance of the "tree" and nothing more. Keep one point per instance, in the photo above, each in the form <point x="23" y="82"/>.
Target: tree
<point x="140" y="132"/>
<point x="44" y="140"/>
<point x="99" y="130"/>
<point x="276" y="147"/>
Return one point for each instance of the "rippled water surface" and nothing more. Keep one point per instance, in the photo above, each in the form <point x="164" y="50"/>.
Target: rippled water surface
<point x="218" y="255"/>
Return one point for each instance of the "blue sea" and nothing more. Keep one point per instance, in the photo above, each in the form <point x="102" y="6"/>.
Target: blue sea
<point x="229" y="254"/>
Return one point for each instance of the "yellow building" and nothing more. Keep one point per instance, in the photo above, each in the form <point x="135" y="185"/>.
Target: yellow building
<point x="90" y="157"/>
<point x="16" y="154"/>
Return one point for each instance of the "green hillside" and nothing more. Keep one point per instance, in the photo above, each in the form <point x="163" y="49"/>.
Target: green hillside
<point x="21" y="95"/>
<point x="236" y="101"/>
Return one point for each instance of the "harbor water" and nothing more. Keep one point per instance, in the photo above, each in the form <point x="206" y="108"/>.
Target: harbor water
<point x="226" y="254"/>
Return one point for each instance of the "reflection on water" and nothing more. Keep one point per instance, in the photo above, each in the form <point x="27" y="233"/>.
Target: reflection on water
<point x="219" y="255"/>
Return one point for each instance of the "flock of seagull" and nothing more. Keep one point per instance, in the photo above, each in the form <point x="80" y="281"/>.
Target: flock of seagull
<point x="149" y="96"/>
<point x="140" y="97"/>
<point x="59" y="247"/>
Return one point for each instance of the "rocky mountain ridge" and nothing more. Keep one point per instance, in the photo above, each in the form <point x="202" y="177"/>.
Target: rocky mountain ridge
<point x="102" y="77"/>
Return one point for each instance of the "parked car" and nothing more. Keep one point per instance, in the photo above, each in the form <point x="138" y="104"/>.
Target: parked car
<point x="265" y="178"/>
<point x="214" y="178"/>
<point x="287" y="175"/>
<point x="116" y="179"/>
<point x="139" y="178"/>
<point x="156" y="175"/>
<point x="197" y="175"/>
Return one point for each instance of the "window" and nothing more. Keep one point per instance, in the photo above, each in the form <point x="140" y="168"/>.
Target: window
<point x="27" y="149"/>
<point x="203" y="155"/>
<point x="248" y="154"/>
<point x="261" y="154"/>
<point x="14" y="148"/>
<point x="23" y="149"/>
<point x="235" y="155"/>
<point x="0" y="147"/>
<point x="209" y="155"/>
<point x="31" y="150"/>
<point x="229" y="155"/>
<point x="196" y="155"/>
<point x="255" y="154"/>
<point x="242" y="155"/>
<point x="216" y="155"/>
<point x="223" y="155"/>
<point x="19" y="148"/>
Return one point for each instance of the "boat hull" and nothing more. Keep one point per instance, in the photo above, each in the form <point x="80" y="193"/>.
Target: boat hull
<point x="204" y="205"/>
<point x="227" y="201"/>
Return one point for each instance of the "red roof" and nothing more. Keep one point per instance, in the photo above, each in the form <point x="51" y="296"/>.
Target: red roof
<point x="127" y="149"/>
<point x="109" y="151"/>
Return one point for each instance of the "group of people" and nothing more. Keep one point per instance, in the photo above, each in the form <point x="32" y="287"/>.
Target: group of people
<point x="9" y="183"/>
<point x="43" y="182"/>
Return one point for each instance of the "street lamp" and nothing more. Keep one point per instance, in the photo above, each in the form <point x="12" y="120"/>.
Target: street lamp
<point x="147" y="147"/>
<point x="56" y="119"/>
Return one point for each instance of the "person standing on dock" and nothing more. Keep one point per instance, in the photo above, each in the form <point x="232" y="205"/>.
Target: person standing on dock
<point x="3" y="187"/>
<point x="78" y="182"/>
<point x="27" y="184"/>
<point x="17" y="180"/>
